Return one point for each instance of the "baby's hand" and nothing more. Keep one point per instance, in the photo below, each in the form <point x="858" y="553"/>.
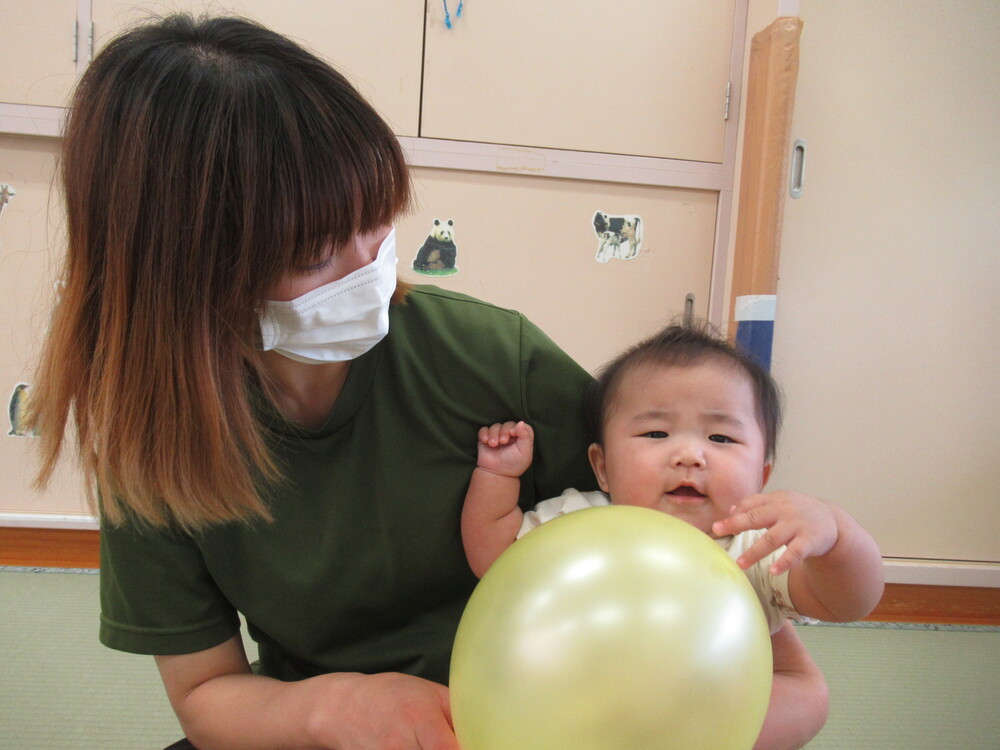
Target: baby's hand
<point x="803" y="524"/>
<point x="505" y="449"/>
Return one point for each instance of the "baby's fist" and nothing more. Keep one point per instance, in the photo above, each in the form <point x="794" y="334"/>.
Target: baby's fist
<point x="505" y="448"/>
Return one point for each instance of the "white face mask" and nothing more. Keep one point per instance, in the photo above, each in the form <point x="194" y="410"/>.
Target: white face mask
<point x="338" y="321"/>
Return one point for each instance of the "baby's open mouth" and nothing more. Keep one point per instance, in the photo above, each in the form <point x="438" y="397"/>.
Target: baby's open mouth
<point x="686" y="492"/>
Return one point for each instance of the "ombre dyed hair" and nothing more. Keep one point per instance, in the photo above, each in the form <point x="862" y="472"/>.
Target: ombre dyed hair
<point x="202" y="159"/>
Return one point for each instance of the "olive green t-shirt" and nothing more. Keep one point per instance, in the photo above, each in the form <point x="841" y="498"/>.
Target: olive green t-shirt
<point x="362" y="568"/>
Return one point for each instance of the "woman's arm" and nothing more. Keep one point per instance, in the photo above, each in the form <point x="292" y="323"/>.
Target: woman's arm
<point x="221" y="704"/>
<point x="799" y="698"/>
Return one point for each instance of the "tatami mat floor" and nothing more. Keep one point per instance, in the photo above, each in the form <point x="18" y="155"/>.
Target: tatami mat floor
<point x="890" y="688"/>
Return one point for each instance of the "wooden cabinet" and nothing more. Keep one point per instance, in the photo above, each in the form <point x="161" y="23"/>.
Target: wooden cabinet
<point x="32" y="228"/>
<point x="530" y="244"/>
<point x="632" y="77"/>
<point x="377" y="44"/>
<point x="39" y="53"/>
<point x="521" y="122"/>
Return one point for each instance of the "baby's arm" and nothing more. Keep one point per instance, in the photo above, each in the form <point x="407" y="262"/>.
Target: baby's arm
<point x="835" y="567"/>
<point x="491" y="517"/>
<point x="800" y="700"/>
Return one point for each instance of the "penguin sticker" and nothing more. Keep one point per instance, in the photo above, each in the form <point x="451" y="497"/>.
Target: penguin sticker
<point x="16" y="410"/>
<point x="6" y="193"/>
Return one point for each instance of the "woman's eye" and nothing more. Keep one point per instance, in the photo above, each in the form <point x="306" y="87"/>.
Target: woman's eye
<point x="721" y="439"/>
<point x="658" y="434"/>
<point x="315" y="267"/>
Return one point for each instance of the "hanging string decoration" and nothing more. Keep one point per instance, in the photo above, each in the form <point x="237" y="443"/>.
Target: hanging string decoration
<point x="447" y="15"/>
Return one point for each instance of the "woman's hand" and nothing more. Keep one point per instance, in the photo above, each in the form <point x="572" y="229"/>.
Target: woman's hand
<point x="383" y="712"/>
<point x="221" y="704"/>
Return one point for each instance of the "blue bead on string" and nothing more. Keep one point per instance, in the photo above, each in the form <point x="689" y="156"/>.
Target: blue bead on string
<point x="447" y="15"/>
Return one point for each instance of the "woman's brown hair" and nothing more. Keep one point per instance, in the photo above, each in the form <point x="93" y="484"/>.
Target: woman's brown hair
<point x="202" y="159"/>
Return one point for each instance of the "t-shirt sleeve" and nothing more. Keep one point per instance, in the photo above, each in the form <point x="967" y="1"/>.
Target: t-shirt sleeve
<point x="554" y="391"/>
<point x="569" y="501"/>
<point x="156" y="594"/>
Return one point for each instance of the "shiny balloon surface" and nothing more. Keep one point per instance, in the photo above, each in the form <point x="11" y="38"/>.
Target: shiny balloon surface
<point x="615" y="628"/>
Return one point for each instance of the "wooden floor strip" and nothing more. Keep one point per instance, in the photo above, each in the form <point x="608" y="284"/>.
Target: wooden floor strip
<point x="949" y="605"/>
<point x="49" y="548"/>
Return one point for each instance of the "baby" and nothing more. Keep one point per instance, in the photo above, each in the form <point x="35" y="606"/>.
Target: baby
<point x="687" y="424"/>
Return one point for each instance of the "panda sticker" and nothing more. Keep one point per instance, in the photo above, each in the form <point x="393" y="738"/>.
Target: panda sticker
<point x="437" y="256"/>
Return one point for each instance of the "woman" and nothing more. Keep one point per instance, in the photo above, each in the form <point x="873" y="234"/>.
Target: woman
<point x="272" y="424"/>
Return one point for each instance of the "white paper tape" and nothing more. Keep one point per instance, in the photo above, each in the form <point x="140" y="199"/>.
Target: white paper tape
<point x="756" y="307"/>
<point x="788" y="8"/>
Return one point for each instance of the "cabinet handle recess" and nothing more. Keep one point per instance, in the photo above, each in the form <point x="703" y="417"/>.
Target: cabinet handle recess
<point x="798" y="168"/>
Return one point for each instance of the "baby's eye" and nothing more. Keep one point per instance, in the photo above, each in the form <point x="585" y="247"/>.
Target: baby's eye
<point x="721" y="439"/>
<point x="656" y="434"/>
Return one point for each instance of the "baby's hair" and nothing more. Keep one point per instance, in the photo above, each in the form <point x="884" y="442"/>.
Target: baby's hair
<point x="686" y="344"/>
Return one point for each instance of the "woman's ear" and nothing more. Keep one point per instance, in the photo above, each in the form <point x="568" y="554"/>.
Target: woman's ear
<point x="596" y="455"/>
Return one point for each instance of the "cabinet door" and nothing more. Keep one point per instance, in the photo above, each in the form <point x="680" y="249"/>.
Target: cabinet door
<point x="32" y="230"/>
<point x="37" y="43"/>
<point x="888" y="314"/>
<point x="529" y="243"/>
<point x="377" y="43"/>
<point x="628" y="77"/>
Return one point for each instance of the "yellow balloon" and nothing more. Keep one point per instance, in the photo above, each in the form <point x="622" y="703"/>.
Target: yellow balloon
<point x="615" y="628"/>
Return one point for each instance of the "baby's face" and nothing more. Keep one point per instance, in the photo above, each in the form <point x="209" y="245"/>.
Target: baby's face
<point x="683" y="440"/>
